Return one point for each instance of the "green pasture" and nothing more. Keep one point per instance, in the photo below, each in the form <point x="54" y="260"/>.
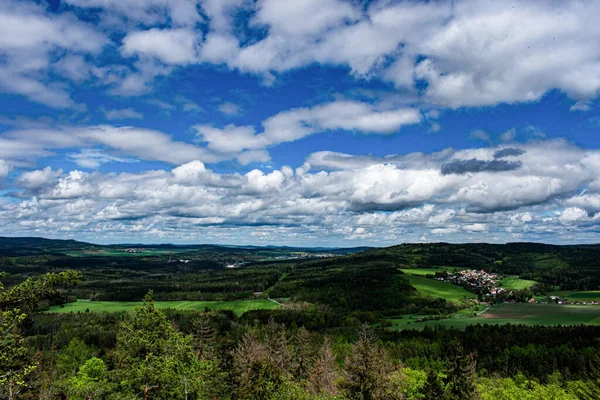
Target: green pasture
<point x="587" y="295"/>
<point x="516" y="283"/>
<point x="237" y="306"/>
<point x="520" y="313"/>
<point x="434" y="288"/>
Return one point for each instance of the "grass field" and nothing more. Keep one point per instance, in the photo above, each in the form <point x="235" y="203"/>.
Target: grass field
<point x="238" y="306"/>
<point x="589" y="295"/>
<point x="516" y="283"/>
<point x="433" y="288"/>
<point x="522" y="313"/>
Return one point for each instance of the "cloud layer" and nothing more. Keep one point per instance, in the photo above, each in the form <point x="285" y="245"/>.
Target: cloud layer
<point x="379" y="201"/>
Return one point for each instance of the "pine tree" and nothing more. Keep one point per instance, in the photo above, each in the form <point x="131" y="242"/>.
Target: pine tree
<point x="257" y="375"/>
<point x="434" y="387"/>
<point x="157" y="361"/>
<point x="461" y="375"/>
<point x="277" y="344"/>
<point x="367" y="368"/>
<point x="204" y="333"/>
<point x="322" y="376"/>
<point x="302" y="352"/>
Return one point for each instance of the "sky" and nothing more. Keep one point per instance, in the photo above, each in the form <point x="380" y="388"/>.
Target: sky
<point x="305" y="122"/>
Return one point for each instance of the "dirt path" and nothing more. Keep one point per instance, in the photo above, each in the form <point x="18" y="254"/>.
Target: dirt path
<point x="276" y="302"/>
<point x="482" y="311"/>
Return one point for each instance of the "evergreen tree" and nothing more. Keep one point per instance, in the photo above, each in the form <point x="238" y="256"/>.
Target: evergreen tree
<point x="15" y="363"/>
<point x="367" y="368"/>
<point x="155" y="360"/>
<point x="322" y="377"/>
<point x="461" y="374"/>
<point x="204" y="333"/>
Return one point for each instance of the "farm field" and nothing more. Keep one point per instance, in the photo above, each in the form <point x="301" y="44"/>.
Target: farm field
<point x="520" y="313"/>
<point x="588" y="295"/>
<point x="433" y="288"/>
<point x="237" y="306"/>
<point x="516" y="283"/>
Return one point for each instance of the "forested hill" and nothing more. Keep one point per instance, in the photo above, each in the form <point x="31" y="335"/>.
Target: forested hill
<point x="32" y="246"/>
<point x="574" y="267"/>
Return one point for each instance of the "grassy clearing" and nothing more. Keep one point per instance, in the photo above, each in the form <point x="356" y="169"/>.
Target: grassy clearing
<point x="516" y="283"/>
<point x="433" y="288"/>
<point x="522" y="313"/>
<point x="589" y="295"/>
<point x="237" y="306"/>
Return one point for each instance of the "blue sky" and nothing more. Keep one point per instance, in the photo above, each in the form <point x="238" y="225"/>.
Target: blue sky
<point x="308" y="122"/>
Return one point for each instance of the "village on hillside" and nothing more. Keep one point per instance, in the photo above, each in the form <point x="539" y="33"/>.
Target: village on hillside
<point x="486" y="286"/>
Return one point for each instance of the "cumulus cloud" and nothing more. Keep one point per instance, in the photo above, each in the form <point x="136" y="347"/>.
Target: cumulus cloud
<point x="37" y="179"/>
<point x="378" y="202"/>
<point x="475" y="165"/>
<point x="469" y="53"/>
<point x="172" y="46"/>
<point x="28" y="36"/>
<point x="297" y="123"/>
<point x="146" y="144"/>
<point x="180" y="12"/>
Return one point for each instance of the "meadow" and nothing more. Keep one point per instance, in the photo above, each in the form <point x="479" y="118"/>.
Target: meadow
<point x="434" y="288"/>
<point x="511" y="313"/>
<point x="587" y="295"/>
<point x="516" y="283"/>
<point x="237" y="306"/>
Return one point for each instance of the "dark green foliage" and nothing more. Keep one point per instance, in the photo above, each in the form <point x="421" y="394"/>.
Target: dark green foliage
<point x="367" y="369"/>
<point x="461" y="379"/>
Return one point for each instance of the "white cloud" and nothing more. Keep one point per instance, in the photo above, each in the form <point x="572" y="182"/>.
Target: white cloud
<point x="378" y="203"/>
<point x="92" y="159"/>
<point x="5" y="168"/>
<point x="581" y="105"/>
<point x="125" y="113"/>
<point x="180" y="12"/>
<point x="295" y="124"/>
<point x="37" y="179"/>
<point x="230" y="109"/>
<point x="508" y="136"/>
<point x="27" y="145"/>
<point x="28" y="36"/>
<point x="572" y="214"/>
<point x="172" y="46"/>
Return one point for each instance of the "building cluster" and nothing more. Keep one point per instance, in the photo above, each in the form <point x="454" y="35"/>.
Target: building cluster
<point x="479" y="282"/>
<point x="135" y="249"/>
<point x="560" y="300"/>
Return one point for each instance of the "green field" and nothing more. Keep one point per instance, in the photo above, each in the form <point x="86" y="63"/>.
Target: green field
<point x="522" y="313"/>
<point x="589" y="295"/>
<point x="516" y="283"/>
<point x="433" y="288"/>
<point x="238" y="306"/>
